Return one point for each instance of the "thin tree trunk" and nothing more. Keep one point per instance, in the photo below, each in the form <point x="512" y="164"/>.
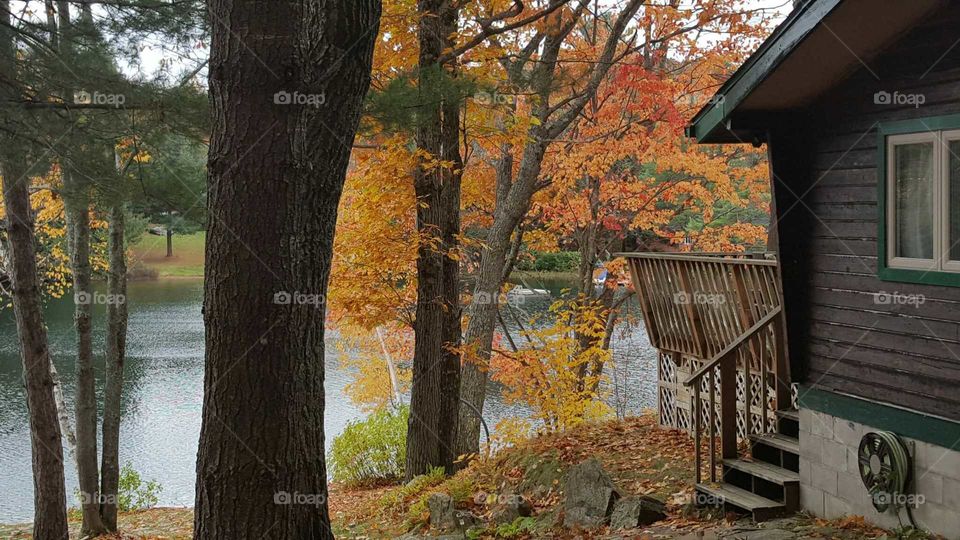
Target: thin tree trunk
<point x="49" y="494"/>
<point x="435" y="390"/>
<point x="510" y="210"/>
<point x="276" y="172"/>
<point x="169" y="242"/>
<point x="395" y="396"/>
<point x="483" y="314"/>
<point x="116" y="352"/>
<point x="77" y="210"/>
<point x="63" y="413"/>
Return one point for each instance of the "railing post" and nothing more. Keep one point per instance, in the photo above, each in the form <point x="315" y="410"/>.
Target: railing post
<point x="696" y="429"/>
<point x="781" y="366"/>
<point x="746" y="321"/>
<point x="747" y="398"/>
<point x="728" y="406"/>
<point x="712" y="418"/>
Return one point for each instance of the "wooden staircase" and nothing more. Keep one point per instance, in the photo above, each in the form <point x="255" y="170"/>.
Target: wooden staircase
<point x="767" y="484"/>
<point x="721" y="315"/>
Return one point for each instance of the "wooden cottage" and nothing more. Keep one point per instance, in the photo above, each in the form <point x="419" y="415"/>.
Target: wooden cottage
<point x="837" y="356"/>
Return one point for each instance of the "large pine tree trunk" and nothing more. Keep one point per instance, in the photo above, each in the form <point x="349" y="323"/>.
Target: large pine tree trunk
<point x="49" y="495"/>
<point x="116" y="353"/>
<point x="436" y="363"/>
<point x="276" y="172"/>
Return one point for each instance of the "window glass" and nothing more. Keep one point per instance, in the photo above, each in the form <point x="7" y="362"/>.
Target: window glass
<point x="913" y="166"/>
<point x="953" y="169"/>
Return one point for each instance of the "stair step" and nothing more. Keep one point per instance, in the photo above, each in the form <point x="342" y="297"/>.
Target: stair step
<point x="766" y="471"/>
<point x="792" y="414"/>
<point x="776" y="440"/>
<point x="741" y="498"/>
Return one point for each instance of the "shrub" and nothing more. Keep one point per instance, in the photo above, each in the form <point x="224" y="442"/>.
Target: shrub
<point x="371" y="450"/>
<point x="132" y="493"/>
<point x="135" y="494"/>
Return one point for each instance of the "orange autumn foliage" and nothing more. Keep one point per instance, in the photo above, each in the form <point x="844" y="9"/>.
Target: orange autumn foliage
<point x="648" y="179"/>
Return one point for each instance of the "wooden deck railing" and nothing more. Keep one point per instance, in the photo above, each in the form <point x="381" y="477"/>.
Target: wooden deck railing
<point x="721" y="312"/>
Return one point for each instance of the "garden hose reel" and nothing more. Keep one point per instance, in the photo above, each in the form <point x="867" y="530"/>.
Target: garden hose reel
<point x="885" y="468"/>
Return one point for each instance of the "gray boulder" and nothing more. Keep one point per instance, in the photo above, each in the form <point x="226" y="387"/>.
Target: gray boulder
<point x="633" y="512"/>
<point x="510" y="507"/>
<point x="466" y="520"/>
<point x="442" y="513"/>
<point x="590" y="495"/>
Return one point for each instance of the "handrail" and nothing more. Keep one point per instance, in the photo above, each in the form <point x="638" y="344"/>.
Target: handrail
<point x="717" y="358"/>
<point x="719" y="257"/>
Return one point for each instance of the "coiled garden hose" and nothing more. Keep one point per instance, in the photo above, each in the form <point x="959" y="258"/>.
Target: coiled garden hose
<point x="885" y="470"/>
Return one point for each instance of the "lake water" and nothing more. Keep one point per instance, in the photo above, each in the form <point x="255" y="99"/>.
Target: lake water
<point x="163" y="388"/>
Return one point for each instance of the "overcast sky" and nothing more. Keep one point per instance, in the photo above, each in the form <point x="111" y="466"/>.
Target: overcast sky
<point x="153" y="52"/>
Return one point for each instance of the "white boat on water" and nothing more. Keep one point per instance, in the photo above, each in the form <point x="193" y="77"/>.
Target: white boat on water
<point x="520" y="290"/>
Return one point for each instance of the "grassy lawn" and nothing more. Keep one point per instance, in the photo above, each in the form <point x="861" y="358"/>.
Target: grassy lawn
<point x="150" y="253"/>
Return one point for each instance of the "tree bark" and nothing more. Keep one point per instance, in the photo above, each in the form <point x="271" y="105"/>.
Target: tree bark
<point x="49" y="494"/>
<point x="276" y="171"/>
<point x="63" y="413"/>
<point x="435" y="390"/>
<point x="116" y="347"/>
<point x="484" y="308"/>
<point x="169" y="242"/>
<point x="482" y="323"/>
<point x="77" y="210"/>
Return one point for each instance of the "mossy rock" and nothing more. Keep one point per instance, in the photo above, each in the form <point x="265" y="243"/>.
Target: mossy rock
<point x="541" y="474"/>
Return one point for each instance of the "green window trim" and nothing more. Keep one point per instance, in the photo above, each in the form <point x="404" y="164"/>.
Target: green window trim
<point x="903" y="127"/>
<point x="879" y="416"/>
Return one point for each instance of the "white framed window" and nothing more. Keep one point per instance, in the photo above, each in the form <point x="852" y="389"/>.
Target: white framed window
<point x="923" y="201"/>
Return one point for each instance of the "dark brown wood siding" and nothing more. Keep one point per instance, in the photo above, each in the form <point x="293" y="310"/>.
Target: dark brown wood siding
<point x="903" y="354"/>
